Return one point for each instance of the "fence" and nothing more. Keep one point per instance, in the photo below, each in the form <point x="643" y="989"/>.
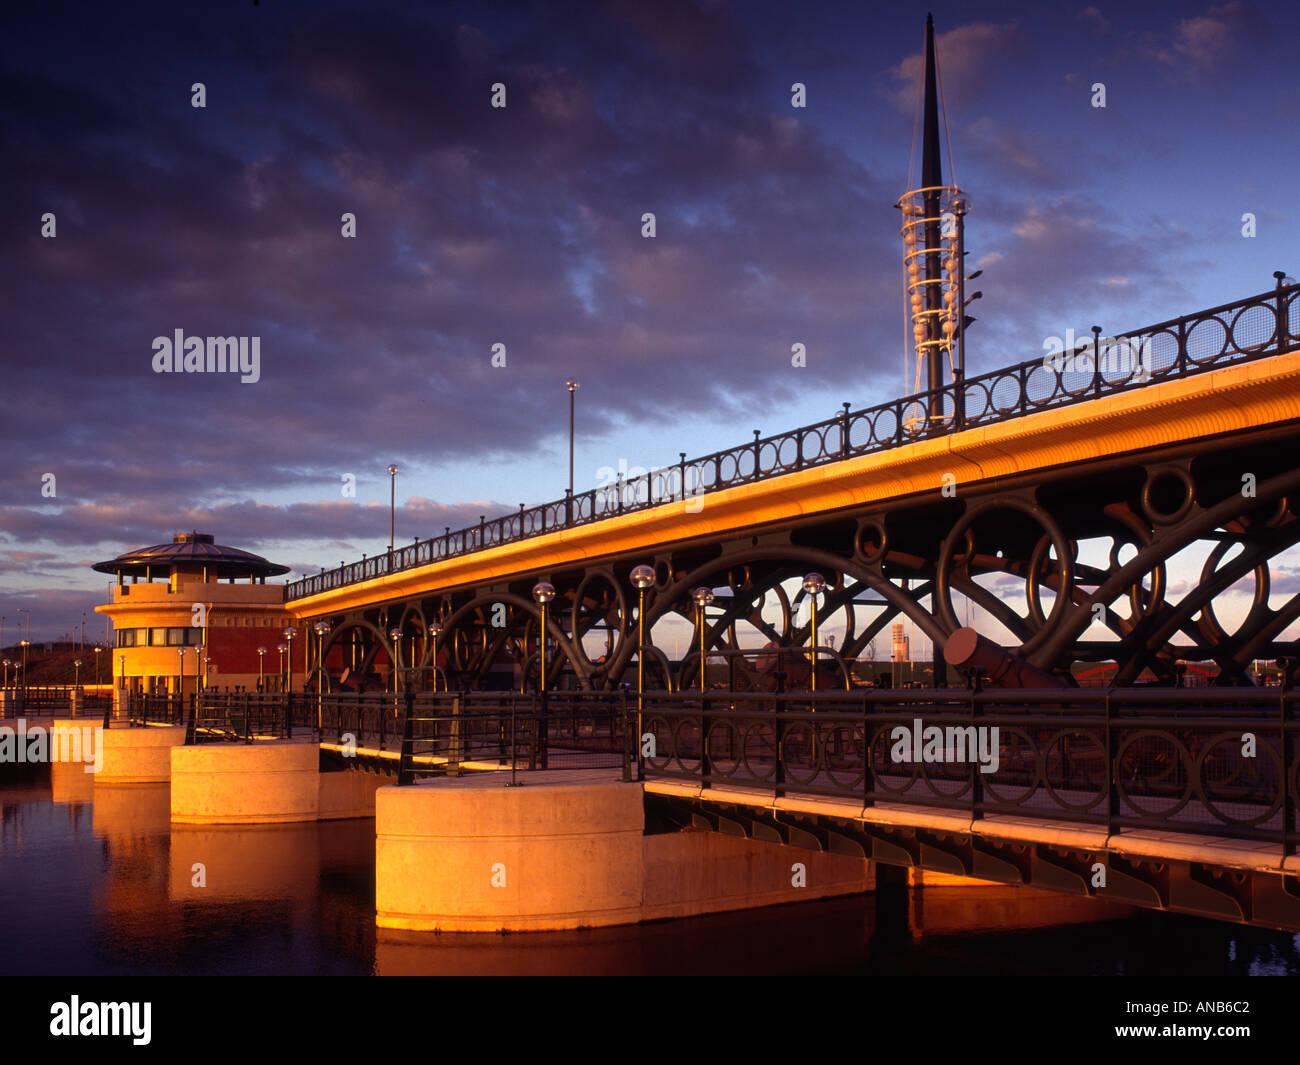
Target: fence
<point x="1213" y="761"/>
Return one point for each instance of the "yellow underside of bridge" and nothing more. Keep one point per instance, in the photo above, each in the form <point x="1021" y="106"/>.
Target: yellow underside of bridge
<point x="1234" y="399"/>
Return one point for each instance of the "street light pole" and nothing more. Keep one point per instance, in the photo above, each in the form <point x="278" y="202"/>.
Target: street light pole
<point x="814" y="584"/>
<point x="703" y="597"/>
<point x="642" y="577"/>
<point x="435" y="630"/>
<point x="395" y="634"/>
<point x="572" y="386"/>
<point x="392" y="509"/>
<point x="289" y="634"/>
<point x="321" y="627"/>
<point x="543" y="593"/>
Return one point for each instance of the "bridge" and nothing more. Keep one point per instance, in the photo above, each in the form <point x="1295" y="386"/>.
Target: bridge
<point x="1073" y="488"/>
<point x="1098" y="510"/>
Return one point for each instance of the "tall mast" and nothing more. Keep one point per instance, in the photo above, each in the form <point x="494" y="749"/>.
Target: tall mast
<point x="931" y="181"/>
<point x="933" y="249"/>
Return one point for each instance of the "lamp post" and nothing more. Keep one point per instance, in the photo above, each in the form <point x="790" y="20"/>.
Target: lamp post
<point x="281" y="648"/>
<point x="572" y="386"/>
<point x="435" y="630"/>
<point x="289" y="634"/>
<point x="76" y="676"/>
<point x="392" y="509"/>
<point x="24" y="644"/>
<point x="543" y="593"/>
<point x="180" y="686"/>
<point x="395" y="634"/>
<point x="322" y="628"/>
<point x="28" y="627"/>
<point x="703" y="597"/>
<point x="642" y="577"/>
<point x="98" y="649"/>
<point x="6" y="661"/>
<point x="261" y="656"/>
<point x="814" y="584"/>
<point x="122" y="687"/>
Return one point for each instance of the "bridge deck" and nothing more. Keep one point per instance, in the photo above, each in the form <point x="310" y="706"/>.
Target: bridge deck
<point x="1233" y="400"/>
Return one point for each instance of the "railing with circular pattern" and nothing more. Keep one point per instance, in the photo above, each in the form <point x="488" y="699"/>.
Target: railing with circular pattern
<point x="1221" y="762"/>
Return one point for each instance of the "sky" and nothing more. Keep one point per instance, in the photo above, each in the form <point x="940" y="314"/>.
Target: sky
<point x="523" y="226"/>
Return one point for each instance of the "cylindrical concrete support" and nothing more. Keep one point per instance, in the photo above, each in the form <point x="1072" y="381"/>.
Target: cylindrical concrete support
<point x="472" y="855"/>
<point x="242" y="784"/>
<point x="138" y="755"/>
<point x="72" y="739"/>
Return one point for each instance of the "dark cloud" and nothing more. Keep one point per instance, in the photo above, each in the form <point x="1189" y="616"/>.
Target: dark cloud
<point x="519" y="226"/>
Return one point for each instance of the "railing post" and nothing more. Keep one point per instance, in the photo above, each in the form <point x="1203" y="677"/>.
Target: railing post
<point x="844" y="433"/>
<point x="1096" y="360"/>
<point x="628" y="733"/>
<point x="977" y="770"/>
<point x="1112" y="774"/>
<point x="514" y="741"/>
<point x="404" y="765"/>
<point x="778" y="711"/>
<point x="568" y="507"/>
<point x="756" y="455"/>
<point x="543" y="728"/>
<point x="1287" y="664"/>
<point x="868" y="775"/>
<point x="459" y="732"/>
<point x="1281" y="312"/>
<point x="705" y="767"/>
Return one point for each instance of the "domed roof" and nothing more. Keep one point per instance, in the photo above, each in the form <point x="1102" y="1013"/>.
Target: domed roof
<point x="191" y="550"/>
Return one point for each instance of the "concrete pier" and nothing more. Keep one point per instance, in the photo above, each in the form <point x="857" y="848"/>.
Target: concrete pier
<point x="568" y="850"/>
<point x="235" y="783"/>
<point x="138" y="755"/>
<point x="263" y="783"/>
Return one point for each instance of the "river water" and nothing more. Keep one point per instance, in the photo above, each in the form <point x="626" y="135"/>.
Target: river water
<point x="96" y="881"/>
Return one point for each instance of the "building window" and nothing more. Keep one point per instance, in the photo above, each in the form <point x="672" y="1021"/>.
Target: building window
<point x="175" y="637"/>
<point x="157" y="637"/>
<point x="126" y="637"/>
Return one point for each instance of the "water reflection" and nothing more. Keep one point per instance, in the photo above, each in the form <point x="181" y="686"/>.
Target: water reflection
<point x="97" y="881"/>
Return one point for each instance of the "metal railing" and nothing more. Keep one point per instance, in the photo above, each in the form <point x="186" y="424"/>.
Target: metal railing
<point x="429" y="732"/>
<point x="1254" y="328"/>
<point x="33" y="700"/>
<point x="449" y="732"/>
<point x="1210" y="761"/>
<point x="245" y="716"/>
<point x="141" y="710"/>
<point x="1219" y="762"/>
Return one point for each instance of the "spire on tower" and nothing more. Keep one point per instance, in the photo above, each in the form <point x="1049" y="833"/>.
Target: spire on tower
<point x="933" y="224"/>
